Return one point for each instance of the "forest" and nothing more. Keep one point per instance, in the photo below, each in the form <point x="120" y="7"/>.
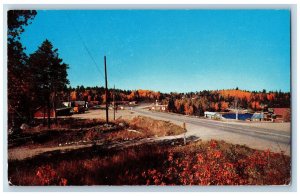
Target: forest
<point x="192" y="103"/>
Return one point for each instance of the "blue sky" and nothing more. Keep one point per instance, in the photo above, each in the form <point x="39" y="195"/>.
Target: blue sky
<point x="169" y="50"/>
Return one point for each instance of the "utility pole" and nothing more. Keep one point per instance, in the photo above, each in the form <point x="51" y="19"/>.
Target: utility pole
<point x="184" y="134"/>
<point x="106" y="91"/>
<point x="236" y="109"/>
<point x="114" y="103"/>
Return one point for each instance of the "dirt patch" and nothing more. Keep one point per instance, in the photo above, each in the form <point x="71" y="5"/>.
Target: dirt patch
<point x="153" y="127"/>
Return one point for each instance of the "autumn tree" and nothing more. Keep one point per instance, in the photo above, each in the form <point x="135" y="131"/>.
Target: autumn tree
<point x="17" y="68"/>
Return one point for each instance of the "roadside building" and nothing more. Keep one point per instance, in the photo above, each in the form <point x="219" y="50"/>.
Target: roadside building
<point x="282" y="114"/>
<point x="66" y="103"/>
<point x="159" y="107"/>
<point x="42" y="112"/>
<point x="257" y="116"/>
<point x="132" y="103"/>
<point x="212" y="115"/>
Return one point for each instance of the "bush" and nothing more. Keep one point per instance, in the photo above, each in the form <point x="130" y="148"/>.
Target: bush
<point x="198" y="163"/>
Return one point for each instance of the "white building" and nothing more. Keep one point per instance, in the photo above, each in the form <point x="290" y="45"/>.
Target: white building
<point x="212" y="115"/>
<point x="159" y="107"/>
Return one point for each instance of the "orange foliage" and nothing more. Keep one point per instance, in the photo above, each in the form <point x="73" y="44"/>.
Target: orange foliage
<point x="235" y="93"/>
<point x="270" y="96"/>
<point x="148" y="93"/>
<point x="188" y="109"/>
<point x="73" y="95"/>
<point x="224" y="105"/>
<point x="131" y="96"/>
<point x="177" y="104"/>
<point x="255" y="104"/>
<point x="103" y="97"/>
<point x="216" y="106"/>
<point x="143" y="94"/>
<point x="86" y="93"/>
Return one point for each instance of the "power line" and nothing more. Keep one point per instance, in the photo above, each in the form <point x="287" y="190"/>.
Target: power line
<point x="85" y="46"/>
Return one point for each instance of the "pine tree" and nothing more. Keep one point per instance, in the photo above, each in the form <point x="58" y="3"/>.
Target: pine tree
<point x="171" y="105"/>
<point x="50" y="76"/>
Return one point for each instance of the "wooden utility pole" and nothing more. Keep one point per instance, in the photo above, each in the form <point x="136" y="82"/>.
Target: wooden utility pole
<point x="184" y="134"/>
<point x="114" y="103"/>
<point x="236" y="108"/>
<point x="106" y="90"/>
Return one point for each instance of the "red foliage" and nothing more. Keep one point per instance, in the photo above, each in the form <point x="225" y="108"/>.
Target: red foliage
<point x="212" y="167"/>
<point x="200" y="163"/>
<point x="46" y="175"/>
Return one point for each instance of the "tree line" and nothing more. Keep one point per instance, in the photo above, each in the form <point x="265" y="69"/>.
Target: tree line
<point x="196" y="103"/>
<point x="192" y="103"/>
<point x="81" y="93"/>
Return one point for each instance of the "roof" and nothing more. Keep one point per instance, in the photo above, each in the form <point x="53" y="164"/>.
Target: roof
<point x="80" y="102"/>
<point x="257" y="116"/>
<point x="211" y="113"/>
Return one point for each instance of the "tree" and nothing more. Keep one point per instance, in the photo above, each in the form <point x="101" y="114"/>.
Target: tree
<point x="171" y="105"/>
<point x="181" y="108"/>
<point x="50" y="76"/>
<point x="18" y="74"/>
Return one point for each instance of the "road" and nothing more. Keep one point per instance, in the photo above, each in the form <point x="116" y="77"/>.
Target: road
<point x="254" y="137"/>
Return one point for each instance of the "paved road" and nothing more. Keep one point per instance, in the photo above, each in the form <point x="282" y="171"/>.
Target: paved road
<point x="259" y="138"/>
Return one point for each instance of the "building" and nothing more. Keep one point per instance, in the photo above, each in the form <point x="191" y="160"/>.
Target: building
<point x="133" y="103"/>
<point x="42" y="112"/>
<point x="282" y="114"/>
<point x="79" y="106"/>
<point x="257" y="116"/>
<point x="212" y="115"/>
<point x="159" y="107"/>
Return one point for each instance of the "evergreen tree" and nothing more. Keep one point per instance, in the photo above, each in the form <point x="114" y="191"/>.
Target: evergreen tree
<point x="50" y="76"/>
<point x="171" y="105"/>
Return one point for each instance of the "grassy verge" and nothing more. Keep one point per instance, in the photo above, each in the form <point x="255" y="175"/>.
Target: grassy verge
<point x="153" y="127"/>
<point x="78" y="131"/>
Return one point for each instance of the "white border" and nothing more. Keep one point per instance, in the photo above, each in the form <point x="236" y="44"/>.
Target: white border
<point x="88" y="4"/>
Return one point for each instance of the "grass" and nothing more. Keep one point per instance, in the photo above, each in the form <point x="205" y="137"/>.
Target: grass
<point x="153" y="127"/>
<point x="74" y="131"/>
<point x="159" y="163"/>
<point x="197" y="163"/>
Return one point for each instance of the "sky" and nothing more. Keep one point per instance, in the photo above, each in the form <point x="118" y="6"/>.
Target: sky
<point x="169" y="50"/>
